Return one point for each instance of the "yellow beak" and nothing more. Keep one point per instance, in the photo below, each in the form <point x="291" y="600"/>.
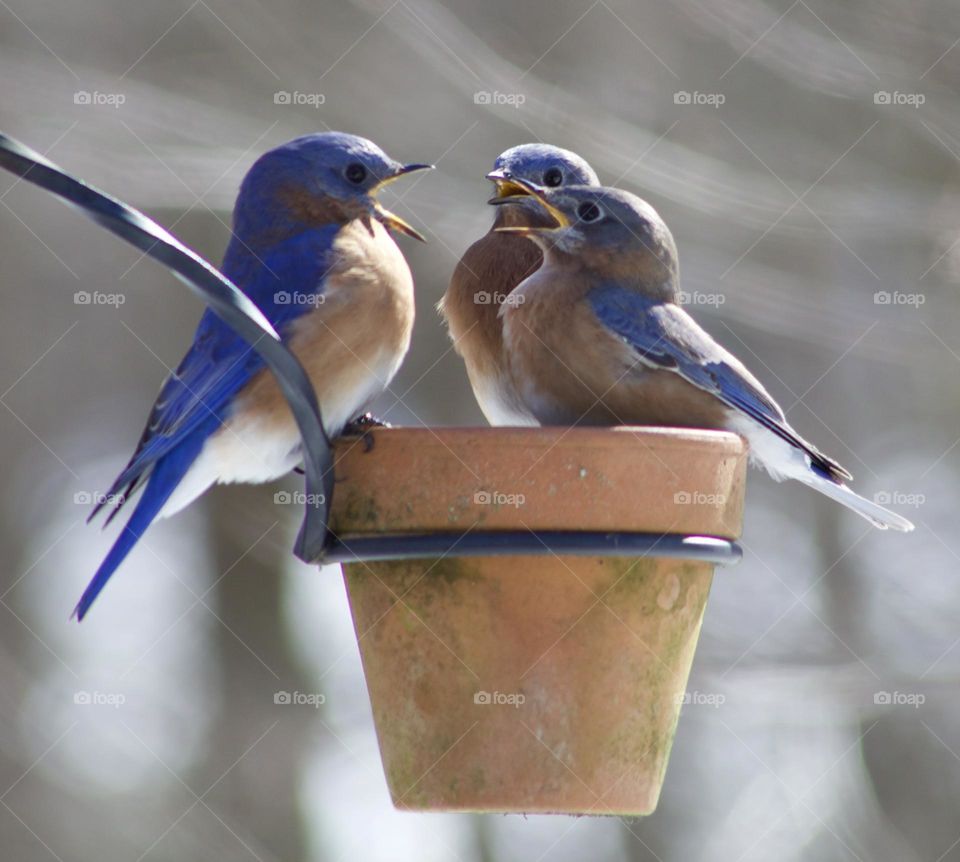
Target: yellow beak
<point x="506" y="186"/>
<point x="392" y="219"/>
<point x="528" y="190"/>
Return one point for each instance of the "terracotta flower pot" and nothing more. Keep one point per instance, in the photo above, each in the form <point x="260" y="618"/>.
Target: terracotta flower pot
<point x="532" y="683"/>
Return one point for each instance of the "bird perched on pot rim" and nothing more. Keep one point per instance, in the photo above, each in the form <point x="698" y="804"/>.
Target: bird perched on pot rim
<point x="311" y="248"/>
<point x="494" y="265"/>
<point x="597" y="337"/>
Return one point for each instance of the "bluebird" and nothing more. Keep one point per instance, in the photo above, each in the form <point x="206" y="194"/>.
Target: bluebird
<point x="597" y="337"/>
<point x="494" y="265"/>
<point x="311" y="248"/>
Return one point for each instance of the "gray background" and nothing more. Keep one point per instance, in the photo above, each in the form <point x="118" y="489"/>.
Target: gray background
<point x="794" y="203"/>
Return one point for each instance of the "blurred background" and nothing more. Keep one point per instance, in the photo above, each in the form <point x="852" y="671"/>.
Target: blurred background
<point x="805" y="154"/>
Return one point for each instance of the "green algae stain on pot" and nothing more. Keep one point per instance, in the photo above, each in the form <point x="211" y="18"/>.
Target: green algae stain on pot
<point x="359" y="512"/>
<point x="661" y="602"/>
<point x="418" y="580"/>
<point x="355" y="512"/>
<point x="401" y="770"/>
<point x="634" y="581"/>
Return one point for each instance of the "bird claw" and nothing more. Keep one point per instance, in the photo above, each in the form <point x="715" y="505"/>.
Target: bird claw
<point x="362" y="424"/>
<point x="361" y="427"/>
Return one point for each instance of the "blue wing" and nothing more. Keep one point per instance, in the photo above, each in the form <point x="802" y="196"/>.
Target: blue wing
<point x="218" y="364"/>
<point x="281" y="282"/>
<point x="664" y="336"/>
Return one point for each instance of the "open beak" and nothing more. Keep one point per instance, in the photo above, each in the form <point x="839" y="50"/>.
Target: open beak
<point x="506" y="186"/>
<point x="530" y="190"/>
<point x="392" y="219"/>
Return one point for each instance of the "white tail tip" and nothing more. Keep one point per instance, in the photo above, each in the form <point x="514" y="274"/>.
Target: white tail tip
<point x="876" y="514"/>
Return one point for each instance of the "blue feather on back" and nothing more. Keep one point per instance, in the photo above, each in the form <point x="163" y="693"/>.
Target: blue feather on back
<point x="665" y="336"/>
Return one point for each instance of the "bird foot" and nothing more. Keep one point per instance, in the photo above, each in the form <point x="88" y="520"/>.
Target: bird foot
<point x="362" y="426"/>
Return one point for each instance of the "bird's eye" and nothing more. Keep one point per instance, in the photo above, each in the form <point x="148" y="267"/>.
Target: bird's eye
<point x="552" y="177"/>
<point x="588" y="211"/>
<point x="355" y="173"/>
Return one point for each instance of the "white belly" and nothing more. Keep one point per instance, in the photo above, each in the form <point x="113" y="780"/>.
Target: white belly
<point x="254" y="450"/>
<point x="498" y="408"/>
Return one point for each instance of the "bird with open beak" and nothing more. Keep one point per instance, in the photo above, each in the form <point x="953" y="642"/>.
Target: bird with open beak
<point x="494" y="265"/>
<point x="597" y="337"/>
<point x="311" y="247"/>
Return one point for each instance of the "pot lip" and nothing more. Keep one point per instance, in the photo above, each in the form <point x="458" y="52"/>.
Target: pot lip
<point x="561" y="435"/>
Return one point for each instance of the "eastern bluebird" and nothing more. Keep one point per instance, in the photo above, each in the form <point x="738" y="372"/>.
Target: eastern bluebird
<point x="493" y="266"/>
<point x="311" y="249"/>
<point x="597" y="337"/>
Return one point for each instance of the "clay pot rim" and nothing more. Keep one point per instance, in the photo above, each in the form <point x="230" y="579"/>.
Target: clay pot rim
<point x="588" y="480"/>
<point x="561" y="435"/>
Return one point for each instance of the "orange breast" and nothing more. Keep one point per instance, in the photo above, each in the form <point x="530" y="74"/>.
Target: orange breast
<point x="486" y="274"/>
<point x="352" y="343"/>
<point x="569" y="369"/>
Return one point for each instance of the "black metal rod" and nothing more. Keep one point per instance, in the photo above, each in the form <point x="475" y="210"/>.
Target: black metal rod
<point x="479" y="543"/>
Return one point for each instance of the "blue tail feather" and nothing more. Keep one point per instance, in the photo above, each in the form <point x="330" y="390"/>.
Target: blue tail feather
<point x="166" y="475"/>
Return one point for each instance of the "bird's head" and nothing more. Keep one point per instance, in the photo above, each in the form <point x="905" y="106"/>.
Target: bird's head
<point x="322" y="178"/>
<point x="609" y="231"/>
<point x="541" y="164"/>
